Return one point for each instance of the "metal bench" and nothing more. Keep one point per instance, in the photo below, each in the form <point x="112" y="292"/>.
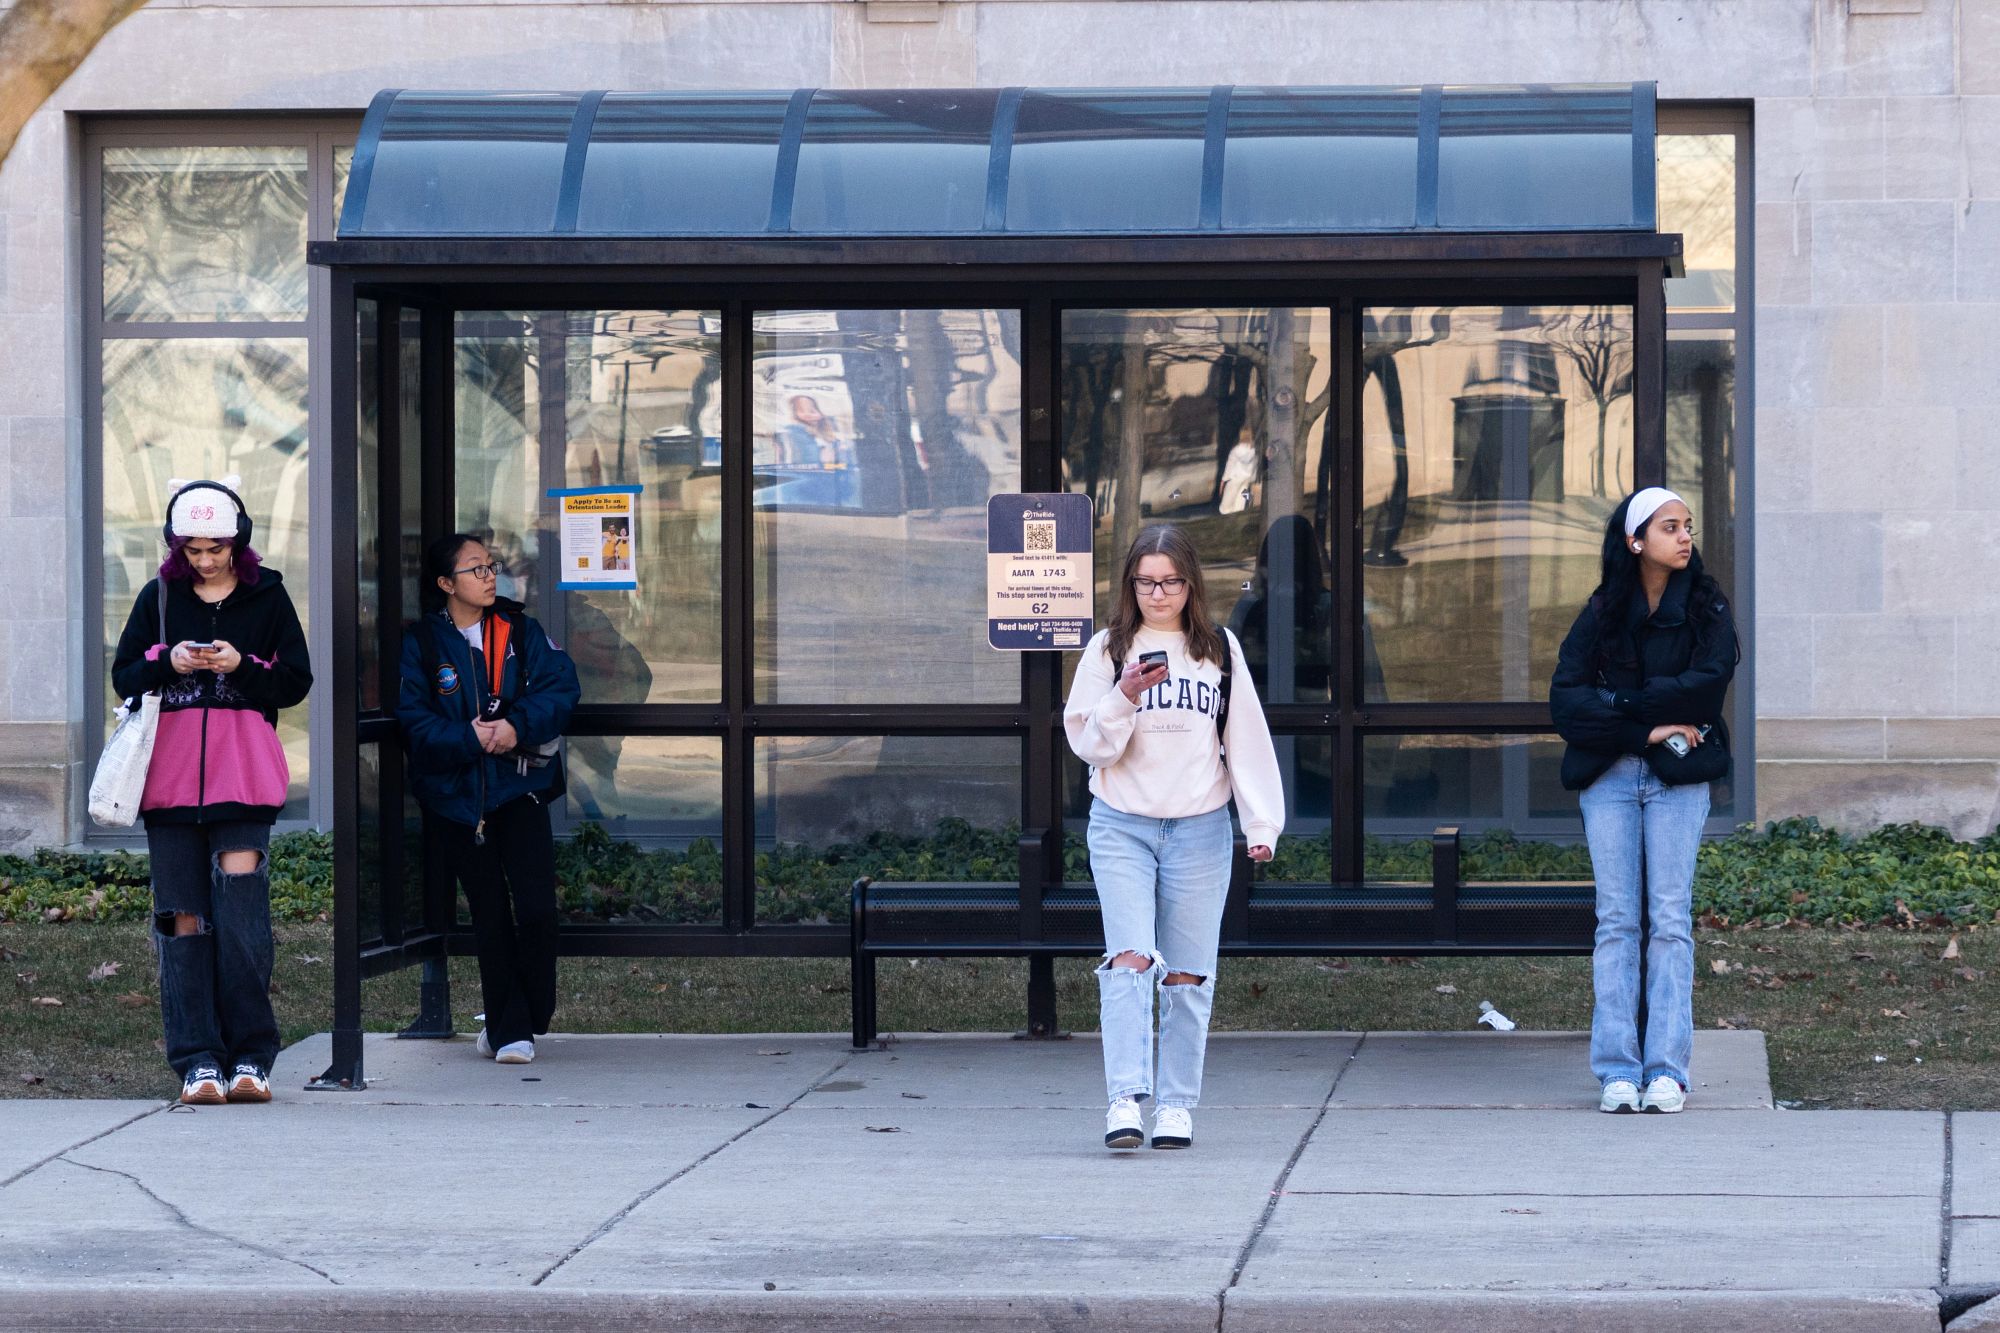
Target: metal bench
<point x="1042" y="922"/>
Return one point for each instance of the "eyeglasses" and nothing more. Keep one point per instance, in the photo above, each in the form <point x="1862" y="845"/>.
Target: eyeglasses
<point x="481" y="571"/>
<point x="1147" y="587"/>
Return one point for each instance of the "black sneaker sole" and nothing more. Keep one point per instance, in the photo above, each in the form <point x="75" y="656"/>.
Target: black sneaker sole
<point x="1124" y="1138"/>
<point x="1171" y="1142"/>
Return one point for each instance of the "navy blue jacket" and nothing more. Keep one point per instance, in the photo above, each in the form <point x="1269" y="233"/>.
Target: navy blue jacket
<point x="1671" y="664"/>
<point x="449" y="774"/>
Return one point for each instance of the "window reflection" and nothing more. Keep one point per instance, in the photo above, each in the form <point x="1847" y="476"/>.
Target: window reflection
<point x="1503" y="793"/>
<point x="206" y="407"/>
<point x="204" y="233"/>
<point x="925" y="808"/>
<point x="1697" y="192"/>
<point x="877" y="437"/>
<point x="645" y="406"/>
<point x="1701" y="464"/>
<point x="1227" y="439"/>
<point x="1496" y="441"/>
<point x="497" y="392"/>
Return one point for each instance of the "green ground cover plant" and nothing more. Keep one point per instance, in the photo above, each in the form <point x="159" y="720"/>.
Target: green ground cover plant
<point x="1793" y="870"/>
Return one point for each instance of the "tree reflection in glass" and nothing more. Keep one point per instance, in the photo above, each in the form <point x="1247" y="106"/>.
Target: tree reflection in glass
<point x="1495" y="441"/>
<point x="204" y="233"/>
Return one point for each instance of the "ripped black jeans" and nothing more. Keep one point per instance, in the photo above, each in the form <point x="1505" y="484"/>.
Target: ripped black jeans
<point x="215" y="985"/>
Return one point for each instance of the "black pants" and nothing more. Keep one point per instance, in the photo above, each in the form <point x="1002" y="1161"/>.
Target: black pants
<point x="510" y="883"/>
<point x="215" y="985"/>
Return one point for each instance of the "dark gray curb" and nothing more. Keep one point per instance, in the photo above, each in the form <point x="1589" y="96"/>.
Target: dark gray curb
<point x="1583" y="1312"/>
<point x="538" y="1309"/>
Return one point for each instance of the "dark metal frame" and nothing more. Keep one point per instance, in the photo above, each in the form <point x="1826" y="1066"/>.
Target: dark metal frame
<point x="1037" y="276"/>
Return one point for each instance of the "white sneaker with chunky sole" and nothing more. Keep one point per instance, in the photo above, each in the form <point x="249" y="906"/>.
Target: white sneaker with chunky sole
<point x="1173" y="1127"/>
<point x="1663" y="1096"/>
<point x="1621" y="1097"/>
<point x="481" y="1045"/>
<point x="1122" y="1125"/>
<point x="516" y="1053"/>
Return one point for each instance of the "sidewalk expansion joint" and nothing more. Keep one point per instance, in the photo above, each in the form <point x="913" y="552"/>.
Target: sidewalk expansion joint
<point x="1944" y="1207"/>
<point x="1576" y="1194"/>
<point x="85" y="1143"/>
<point x="610" y="1224"/>
<point x="184" y="1220"/>
<point x="1285" y="1174"/>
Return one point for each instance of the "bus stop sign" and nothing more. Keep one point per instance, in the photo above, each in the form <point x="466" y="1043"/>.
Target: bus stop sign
<point x="1038" y="571"/>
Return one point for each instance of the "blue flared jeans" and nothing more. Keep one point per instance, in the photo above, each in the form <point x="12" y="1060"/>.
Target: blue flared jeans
<point x="1643" y="838"/>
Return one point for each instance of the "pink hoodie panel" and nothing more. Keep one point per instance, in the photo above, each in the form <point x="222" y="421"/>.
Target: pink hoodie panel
<point x="246" y="761"/>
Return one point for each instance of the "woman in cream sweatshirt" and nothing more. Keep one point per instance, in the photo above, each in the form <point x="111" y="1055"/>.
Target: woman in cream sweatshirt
<point x="1160" y="697"/>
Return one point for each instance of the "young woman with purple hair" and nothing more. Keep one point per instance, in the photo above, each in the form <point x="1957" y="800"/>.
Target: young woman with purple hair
<point x="218" y="637"/>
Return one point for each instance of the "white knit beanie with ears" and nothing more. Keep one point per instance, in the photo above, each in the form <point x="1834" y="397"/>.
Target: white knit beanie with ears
<point x="204" y="511"/>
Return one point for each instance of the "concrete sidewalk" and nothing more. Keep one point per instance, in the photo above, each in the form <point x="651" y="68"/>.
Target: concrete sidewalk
<point x="1385" y="1181"/>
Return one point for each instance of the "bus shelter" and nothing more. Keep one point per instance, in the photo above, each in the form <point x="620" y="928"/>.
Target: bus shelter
<point x="1390" y="354"/>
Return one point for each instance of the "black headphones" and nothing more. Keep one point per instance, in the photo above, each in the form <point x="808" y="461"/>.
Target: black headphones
<point x="242" y="539"/>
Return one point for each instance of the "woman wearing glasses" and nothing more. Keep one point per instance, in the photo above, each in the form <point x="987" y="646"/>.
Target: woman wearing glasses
<point x="1158" y="698"/>
<point x="1638" y="695"/>
<point x="485" y="695"/>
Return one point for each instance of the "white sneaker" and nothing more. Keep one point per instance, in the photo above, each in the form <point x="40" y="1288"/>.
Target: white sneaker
<point x="481" y="1045"/>
<point x="1122" y="1126"/>
<point x="1621" y="1096"/>
<point x="1663" y="1096"/>
<point x="516" y="1053"/>
<point x="1173" y="1127"/>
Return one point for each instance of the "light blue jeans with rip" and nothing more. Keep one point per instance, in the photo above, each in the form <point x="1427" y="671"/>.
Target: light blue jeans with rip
<point x="1628" y="813"/>
<point x="1161" y="885"/>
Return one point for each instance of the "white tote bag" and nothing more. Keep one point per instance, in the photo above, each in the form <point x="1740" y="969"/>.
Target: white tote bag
<point x="120" y="780"/>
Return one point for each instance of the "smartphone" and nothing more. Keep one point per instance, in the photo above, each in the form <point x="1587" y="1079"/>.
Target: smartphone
<point x="201" y="647"/>
<point x="1678" y="743"/>
<point x="1157" y="657"/>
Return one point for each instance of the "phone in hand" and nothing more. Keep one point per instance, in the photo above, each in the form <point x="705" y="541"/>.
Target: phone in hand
<point x="1156" y="658"/>
<point x="1678" y="743"/>
<point x="201" y="647"/>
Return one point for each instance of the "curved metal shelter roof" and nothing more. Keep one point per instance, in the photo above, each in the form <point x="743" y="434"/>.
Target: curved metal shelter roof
<point x="1005" y="162"/>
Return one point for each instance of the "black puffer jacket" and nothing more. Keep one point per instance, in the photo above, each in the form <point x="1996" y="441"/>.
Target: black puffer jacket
<point x="1674" y="665"/>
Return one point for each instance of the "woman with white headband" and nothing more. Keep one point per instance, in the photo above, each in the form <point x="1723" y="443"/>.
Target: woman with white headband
<point x="1638" y="695"/>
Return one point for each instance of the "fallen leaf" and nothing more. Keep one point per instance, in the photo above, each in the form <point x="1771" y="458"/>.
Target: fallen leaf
<point x="1800" y="895"/>
<point x="1767" y="948"/>
<point x="1257" y="989"/>
<point x="1400" y="960"/>
<point x="1719" y="966"/>
<point x="1911" y="1042"/>
<point x="1967" y="973"/>
<point x="55" y="914"/>
<point x="47" y="1001"/>
<point x="31" y="1079"/>
<point x="7" y="955"/>
<point x="1894" y="1013"/>
<point x="308" y="959"/>
<point x="883" y="1129"/>
<point x="1725" y="1025"/>
<point x="1861" y="958"/>
<point x="133" y="999"/>
<point x="1445" y="990"/>
<point x="1950" y="949"/>
<point x="774" y="1052"/>
<point x="104" y="971"/>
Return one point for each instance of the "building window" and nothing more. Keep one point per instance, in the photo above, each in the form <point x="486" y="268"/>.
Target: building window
<point x="1704" y="194"/>
<point x="200" y="324"/>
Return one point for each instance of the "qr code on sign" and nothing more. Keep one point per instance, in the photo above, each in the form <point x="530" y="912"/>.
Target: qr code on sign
<point x="1039" y="534"/>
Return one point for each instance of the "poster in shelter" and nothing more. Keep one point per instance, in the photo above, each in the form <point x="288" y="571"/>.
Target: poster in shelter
<point x="598" y="531"/>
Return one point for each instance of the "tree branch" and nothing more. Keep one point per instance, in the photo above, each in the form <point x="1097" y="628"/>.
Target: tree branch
<point x="41" y="44"/>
